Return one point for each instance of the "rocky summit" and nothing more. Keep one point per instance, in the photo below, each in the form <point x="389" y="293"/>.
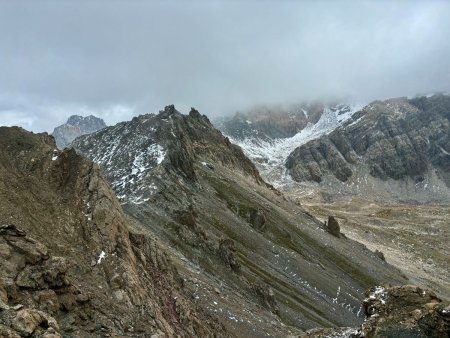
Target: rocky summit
<point x="249" y="256"/>
<point x="76" y="126"/>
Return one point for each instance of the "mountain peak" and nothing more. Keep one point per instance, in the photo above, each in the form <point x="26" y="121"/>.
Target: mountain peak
<point x="145" y="150"/>
<point x="75" y="126"/>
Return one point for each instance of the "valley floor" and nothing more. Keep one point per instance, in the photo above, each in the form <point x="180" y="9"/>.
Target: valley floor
<point x="414" y="238"/>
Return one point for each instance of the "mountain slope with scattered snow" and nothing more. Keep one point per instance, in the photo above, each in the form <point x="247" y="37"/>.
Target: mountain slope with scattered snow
<point x="270" y="154"/>
<point x="252" y="257"/>
<point x="394" y="149"/>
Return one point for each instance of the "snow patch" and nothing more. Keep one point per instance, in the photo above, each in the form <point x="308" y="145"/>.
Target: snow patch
<point x="101" y="257"/>
<point x="157" y="152"/>
<point x="444" y="151"/>
<point x="270" y="155"/>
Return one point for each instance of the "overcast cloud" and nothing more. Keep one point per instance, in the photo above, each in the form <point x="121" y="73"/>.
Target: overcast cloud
<point x="117" y="59"/>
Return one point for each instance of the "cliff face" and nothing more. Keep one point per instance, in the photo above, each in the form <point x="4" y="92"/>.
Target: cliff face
<point x="268" y="123"/>
<point x="76" y="126"/>
<point x="403" y="141"/>
<point x="247" y="253"/>
<point x="72" y="265"/>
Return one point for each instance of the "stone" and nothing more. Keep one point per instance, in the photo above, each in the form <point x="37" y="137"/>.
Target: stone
<point x="380" y="254"/>
<point x="227" y="251"/>
<point x="332" y="226"/>
<point x="48" y="301"/>
<point x="33" y="251"/>
<point x="3" y="293"/>
<point x="6" y="332"/>
<point x="27" y="320"/>
<point x="258" y="219"/>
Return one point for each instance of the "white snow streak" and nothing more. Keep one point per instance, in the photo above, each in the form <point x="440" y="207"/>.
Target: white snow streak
<point x="101" y="257"/>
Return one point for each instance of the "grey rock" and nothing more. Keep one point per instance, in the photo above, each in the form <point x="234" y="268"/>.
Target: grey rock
<point x="76" y="126"/>
<point x="397" y="139"/>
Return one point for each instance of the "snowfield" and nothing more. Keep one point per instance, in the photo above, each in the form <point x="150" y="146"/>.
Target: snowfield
<point x="270" y="156"/>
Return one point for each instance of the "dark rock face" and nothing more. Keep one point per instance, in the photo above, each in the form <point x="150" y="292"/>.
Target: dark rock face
<point x="333" y="227"/>
<point x="227" y="251"/>
<point x="394" y="139"/>
<point x="380" y="254"/>
<point x="76" y="126"/>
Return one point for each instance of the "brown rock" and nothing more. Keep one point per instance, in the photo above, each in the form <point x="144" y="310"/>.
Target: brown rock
<point x="52" y="274"/>
<point x="48" y="301"/>
<point x="27" y="320"/>
<point x="3" y="294"/>
<point x="227" y="251"/>
<point x="33" y="251"/>
<point x="6" y="332"/>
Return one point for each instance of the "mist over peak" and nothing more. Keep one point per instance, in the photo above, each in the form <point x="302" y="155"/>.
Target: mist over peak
<point x="120" y="59"/>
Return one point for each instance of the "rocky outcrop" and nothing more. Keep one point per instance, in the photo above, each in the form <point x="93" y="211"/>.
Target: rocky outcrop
<point x="405" y="311"/>
<point x="394" y="139"/>
<point x="332" y="226"/>
<point x="76" y="126"/>
<point x="72" y="264"/>
<point x="397" y="311"/>
<point x="150" y="147"/>
<point x="35" y="286"/>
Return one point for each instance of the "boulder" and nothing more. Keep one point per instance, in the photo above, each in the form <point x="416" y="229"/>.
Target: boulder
<point x="28" y="320"/>
<point x="332" y="226"/>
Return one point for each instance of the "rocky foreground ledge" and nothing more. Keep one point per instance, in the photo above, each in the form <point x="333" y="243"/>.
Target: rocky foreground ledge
<point x="34" y="285"/>
<point x="397" y="312"/>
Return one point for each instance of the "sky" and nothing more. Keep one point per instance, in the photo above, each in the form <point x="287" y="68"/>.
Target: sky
<point x="116" y="59"/>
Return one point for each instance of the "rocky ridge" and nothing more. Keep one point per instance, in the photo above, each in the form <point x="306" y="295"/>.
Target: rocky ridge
<point x="76" y="126"/>
<point x="248" y="254"/>
<point x="72" y="264"/>
<point x="395" y="149"/>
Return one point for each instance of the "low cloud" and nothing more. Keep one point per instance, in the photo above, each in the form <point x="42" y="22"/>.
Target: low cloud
<point x="117" y="59"/>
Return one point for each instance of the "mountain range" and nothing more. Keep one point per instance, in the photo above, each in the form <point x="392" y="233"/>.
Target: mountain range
<point x="162" y="227"/>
